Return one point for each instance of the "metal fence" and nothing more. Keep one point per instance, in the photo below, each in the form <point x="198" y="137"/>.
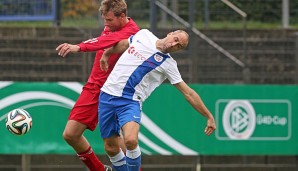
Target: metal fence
<point x="31" y="10"/>
<point x="269" y="55"/>
<point x="27" y="54"/>
<point x="204" y="13"/>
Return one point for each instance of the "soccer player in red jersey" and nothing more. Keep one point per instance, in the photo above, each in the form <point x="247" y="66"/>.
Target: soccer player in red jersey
<point x="84" y="114"/>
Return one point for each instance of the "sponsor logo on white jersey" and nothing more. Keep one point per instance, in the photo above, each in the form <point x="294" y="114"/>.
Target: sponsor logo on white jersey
<point x="132" y="51"/>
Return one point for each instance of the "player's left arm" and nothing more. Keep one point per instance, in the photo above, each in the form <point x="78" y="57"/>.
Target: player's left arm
<point x="119" y="48"/>
<point x="195" y="100"/>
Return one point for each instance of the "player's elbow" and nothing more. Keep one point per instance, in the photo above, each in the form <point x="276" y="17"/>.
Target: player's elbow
<point x="192" y="97"/>
<point x="189" y="94"/>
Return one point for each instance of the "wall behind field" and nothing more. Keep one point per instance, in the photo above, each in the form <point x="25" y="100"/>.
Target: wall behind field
<point x="251" y="120"/>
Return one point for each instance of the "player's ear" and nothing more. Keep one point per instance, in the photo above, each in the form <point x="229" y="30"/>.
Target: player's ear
<point x="122" y="15"/>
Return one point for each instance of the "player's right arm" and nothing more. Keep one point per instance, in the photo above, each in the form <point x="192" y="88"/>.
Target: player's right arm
<point x="119" y="48"/>
<point x="106" y="40"/>
<point x="195" y="100"/>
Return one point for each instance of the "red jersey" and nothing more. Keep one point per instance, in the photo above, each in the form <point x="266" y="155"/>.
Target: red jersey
<point x="105" y="40"/>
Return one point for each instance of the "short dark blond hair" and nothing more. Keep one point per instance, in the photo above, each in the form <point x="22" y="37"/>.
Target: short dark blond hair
<point x="116" y="6"/>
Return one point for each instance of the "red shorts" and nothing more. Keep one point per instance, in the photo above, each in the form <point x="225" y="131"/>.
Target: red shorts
<point x="85" y="110"/>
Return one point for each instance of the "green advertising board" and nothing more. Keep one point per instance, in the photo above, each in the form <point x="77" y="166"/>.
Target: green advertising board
<point x="251" y="120"/>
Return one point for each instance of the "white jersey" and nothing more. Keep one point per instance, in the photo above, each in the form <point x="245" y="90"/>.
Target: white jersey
<point x="141" y="69"/>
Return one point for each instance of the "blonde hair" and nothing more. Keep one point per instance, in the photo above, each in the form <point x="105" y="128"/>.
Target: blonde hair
<point x="116" y="6"/>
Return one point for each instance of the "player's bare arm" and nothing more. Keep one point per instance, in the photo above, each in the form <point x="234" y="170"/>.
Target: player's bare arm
<point x="66" y="48"/>
<point x="104" y="65"/>
<point x="119" y="48"/>
<point x="195" y="100"/>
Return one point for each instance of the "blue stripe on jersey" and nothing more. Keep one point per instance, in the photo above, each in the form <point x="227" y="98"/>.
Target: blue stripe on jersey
<point x="139" y="73"/>
<point x="130" y="39"/>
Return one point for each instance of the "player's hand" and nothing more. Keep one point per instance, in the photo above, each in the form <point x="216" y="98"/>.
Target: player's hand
<point x="104" y="65"/>
<point x="66" y="48"/>
<point x="210" y="127"/>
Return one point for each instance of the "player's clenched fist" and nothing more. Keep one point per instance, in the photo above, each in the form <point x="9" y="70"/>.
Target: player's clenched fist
<point x="65" y="48"/>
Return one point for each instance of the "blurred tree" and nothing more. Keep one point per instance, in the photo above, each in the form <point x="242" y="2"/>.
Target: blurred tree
<point x="79" y="8"/>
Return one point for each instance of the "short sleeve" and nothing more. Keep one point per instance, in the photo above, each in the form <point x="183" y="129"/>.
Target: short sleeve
<point x="173" y="73"/>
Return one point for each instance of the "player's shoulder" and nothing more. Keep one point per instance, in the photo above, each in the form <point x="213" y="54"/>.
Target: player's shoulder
<point x="170" y="59"/>
<point x="131" y="22"/>
<point x="145" y="32"/>
<point x="131" y="26"/>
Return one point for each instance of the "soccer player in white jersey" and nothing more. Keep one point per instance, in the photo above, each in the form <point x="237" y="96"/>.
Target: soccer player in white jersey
<point x="144" y="65"/>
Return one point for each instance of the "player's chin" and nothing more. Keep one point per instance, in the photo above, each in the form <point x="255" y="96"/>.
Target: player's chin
<point x="112" y="29"/>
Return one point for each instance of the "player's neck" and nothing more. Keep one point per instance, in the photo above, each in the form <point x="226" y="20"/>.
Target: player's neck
<point x="125" y="21"/>
<point x="159" y="46"/>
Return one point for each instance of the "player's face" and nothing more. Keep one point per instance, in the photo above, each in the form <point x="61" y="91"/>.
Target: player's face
<point x="175" y="41"/>
<point x="113" y="22"/>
